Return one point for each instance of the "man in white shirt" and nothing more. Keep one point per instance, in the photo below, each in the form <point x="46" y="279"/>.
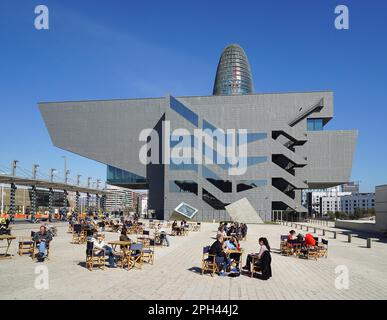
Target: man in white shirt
<point x="163" y="235"/>
<point x="105" y="249"/>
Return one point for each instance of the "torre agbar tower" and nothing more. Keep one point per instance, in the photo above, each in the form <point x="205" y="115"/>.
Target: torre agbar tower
<point x="288" y="149"/>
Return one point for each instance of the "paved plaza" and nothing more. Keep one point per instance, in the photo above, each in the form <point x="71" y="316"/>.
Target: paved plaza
<point x="176" y="272"/>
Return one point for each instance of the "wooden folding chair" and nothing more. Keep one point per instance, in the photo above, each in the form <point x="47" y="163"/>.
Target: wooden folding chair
<point x="323" y="248"/>
<point x="134" y="258"/>
<point x="79" y="236"/>
<point x="35" y="250"/>
<point x="208" y="262"/>
<point x="26" y="245"/>
<point x="312" y="252"/>
<point x="198" y="226"/>
<point x="283" y="245"/>
<point x="148" y="252"/>
<point x="257" y="267"/>
<point x="121" y="257"/>
<point x="94" y="257"/>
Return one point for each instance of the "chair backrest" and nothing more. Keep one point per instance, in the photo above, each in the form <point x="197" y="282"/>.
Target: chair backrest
<point x="316" y="239"/>
<point x="206" y="249"/>
<point x="145" y="232"/>
<point x="266" y="256"/>
<point x="136" y="247"/>
<point x="325" y="242"/>
<point x="151" y="242"/>
<point x="89" y="248"/>
<point x="199" y="223"/>
<point x="283" y="237"/>
<point x="32" y="234"/>
<point x="77" y="228"/>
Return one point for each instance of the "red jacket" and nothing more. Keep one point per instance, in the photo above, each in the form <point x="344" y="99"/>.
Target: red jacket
<point x="309" y="240"/>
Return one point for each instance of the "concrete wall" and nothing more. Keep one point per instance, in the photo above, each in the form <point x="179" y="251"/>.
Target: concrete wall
<point x="381" y="207"/>
<point x="356" y="225"/>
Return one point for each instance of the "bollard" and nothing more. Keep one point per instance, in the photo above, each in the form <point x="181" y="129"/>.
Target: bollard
<point x="315" y="230"/>
<point x="323" y="230"/>
<point x="307" y="228"/>
<point x="334" y="234"/>
<point x="369" y="241"/>
<point x="349" y="238"/>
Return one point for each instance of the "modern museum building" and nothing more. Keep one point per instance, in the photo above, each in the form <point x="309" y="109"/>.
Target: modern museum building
<point x="278" y="140"/>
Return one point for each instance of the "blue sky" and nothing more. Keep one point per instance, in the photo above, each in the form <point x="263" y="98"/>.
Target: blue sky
<point x="127" y="49"/>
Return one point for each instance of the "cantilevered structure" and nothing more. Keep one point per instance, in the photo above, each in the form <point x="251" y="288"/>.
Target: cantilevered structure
<point x="288" y="149"/>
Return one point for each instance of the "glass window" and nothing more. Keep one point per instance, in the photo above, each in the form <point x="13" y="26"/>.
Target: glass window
<point x="250" y="184"/>
<point x="222" y="185"/>
<point x="183" y="186"/>
<point x="213" y="201"/>
<point x="118" y="176"/>
<point x="315" y="124"/>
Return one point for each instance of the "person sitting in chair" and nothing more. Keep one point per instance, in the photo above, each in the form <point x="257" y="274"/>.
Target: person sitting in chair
<point x="233" y="244"/>
<point x="176" y="228"/>
<point x="101" y="245"/>
<point x="163" y="235"/>
<point x="292" y="238"/>
<point x="264" y="246"/>
<point x="42" y="239"/>
<point x="220" y="256"/>
<point x="309" y="240"/>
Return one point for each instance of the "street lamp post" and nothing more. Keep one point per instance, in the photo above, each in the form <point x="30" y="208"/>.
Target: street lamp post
<point x="79" y="179"/>
<point x="2" y="198"/>
<point x="34" y="171"/>
<point x="52" y="172"/>
<point x="65" y="168"/>
<point x="67" y="172"/>
<point x="14" y="166"/>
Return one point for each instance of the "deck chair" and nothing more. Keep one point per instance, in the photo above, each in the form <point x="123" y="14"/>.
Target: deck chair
<point x="197" y="227"/>
<point x="79" y="236"/>
<point x="134" y="258"/>
<point x="148" y="252"/>
<point x="312" y="252"/>
<point x="121" y="256"/>
<point x="94" y="257"/>
<point x="35" y="250"/>
<point x="283" y="244"/>
<point x="208" y="262"/>
<point x="26" y="245"/>
<point x="264" y="267"/>
<point x="323" y="248"/>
